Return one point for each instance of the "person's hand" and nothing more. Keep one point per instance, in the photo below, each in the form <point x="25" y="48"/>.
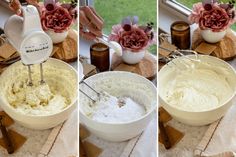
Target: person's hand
<point x="16" y="6"/>
<point x="90" y="23"/>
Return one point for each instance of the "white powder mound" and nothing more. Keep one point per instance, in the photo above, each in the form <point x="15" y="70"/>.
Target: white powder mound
<point x="110" y="109"/>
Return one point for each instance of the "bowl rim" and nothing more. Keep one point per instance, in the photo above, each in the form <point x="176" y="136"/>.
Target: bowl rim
<point x="204" y="111"/>
<point x="49" y="115"/>
<point x="152" y="109"/>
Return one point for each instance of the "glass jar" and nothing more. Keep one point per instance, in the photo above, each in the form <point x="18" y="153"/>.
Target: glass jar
<point x="99" y="55"/>
<point x="180" y="34"/>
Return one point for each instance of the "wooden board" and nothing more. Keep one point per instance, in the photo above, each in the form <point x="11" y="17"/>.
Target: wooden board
<point x="8" y="53"/>
<point x="68" y="49"/>
<point x="225" y="49"/>
<point x="147" y="67"/>
<point x="2" y="68"/>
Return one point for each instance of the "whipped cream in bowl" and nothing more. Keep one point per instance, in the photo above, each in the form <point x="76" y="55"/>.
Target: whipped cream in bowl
<point x="197" y="94"/>
<point x="125" y="107"/>
<point x="40" y="106"/>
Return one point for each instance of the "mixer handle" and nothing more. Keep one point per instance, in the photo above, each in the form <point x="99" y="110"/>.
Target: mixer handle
<point x="31" y="18"/>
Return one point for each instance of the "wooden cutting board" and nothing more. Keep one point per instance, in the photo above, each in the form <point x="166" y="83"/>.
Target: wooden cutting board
<point x="225" y="49"/>
<point x="2" y="68"/>
<point x="68" y="49"/>
<point x="147" y="67"/>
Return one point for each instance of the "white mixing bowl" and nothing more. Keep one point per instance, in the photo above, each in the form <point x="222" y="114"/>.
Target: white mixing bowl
<point x="196" y="118"/>
<point x="38" y="121"/>
<point x="126" y="130"/>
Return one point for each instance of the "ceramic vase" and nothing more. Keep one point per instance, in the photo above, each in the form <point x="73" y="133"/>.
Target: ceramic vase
<point x="131" y="57"/>
<point x="212" y="37"/>
<point x="57" y="37"/>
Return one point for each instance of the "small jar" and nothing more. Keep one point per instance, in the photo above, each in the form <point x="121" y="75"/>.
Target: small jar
<point x="99" y="55"/>
<point x="180" y="34"/>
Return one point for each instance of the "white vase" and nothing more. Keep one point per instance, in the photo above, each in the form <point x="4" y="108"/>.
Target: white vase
<point x="130" y="57"/>
<point x="57" y="37"/>
<point x="212" y="37"/>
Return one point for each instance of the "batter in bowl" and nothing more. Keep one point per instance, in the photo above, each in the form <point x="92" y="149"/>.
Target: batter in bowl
<point x="40" y="99"/>
<point x="200" y="88"/>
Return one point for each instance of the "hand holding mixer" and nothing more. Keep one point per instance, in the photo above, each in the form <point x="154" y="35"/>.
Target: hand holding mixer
<point x="27" y="36"/>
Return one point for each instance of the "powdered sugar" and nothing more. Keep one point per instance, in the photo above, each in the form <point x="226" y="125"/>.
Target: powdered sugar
<point x="112" y="109"/>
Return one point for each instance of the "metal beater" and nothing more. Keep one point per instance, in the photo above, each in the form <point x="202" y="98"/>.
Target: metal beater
<point x="163" y="37"/>
<point x="92" y="89"/>
<point x="176" y="54"/>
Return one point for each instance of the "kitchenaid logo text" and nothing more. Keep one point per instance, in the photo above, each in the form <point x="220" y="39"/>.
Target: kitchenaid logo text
<point x="34" y="50"/>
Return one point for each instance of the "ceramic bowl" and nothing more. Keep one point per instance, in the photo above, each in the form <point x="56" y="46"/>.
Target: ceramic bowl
<point x="126" y="130"/>
<point x="196" y="118"/>
<point x="39" y="121"/>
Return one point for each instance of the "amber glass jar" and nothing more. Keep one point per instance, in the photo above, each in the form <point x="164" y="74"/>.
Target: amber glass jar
<point x="99" y="54"/>
<point x="180" y="34"/>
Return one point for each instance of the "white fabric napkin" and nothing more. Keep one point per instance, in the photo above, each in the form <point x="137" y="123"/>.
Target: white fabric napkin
<point x="146" y="145"/>
<point x="63" y="140"/>
<point x="220" y="139"/>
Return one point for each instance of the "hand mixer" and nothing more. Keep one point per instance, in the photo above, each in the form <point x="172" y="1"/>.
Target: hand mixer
<point x="27" y="36"/>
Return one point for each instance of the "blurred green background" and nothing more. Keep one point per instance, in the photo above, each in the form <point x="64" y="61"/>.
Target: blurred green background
<point x="189" y="3"/>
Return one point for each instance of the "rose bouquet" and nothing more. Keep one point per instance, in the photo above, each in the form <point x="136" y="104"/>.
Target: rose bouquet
<point x="57" y="16"/>
<point x="213" y="15"/>
<point x="131" y="36"/>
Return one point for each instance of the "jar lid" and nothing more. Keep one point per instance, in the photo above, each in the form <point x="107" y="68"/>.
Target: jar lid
<point x="180" y="26"/>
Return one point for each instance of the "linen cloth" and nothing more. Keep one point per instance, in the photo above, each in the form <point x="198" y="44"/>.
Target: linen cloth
<point x="145" y="145"/>
<point x="220" y="138"/>
<point x="63" y="140"/>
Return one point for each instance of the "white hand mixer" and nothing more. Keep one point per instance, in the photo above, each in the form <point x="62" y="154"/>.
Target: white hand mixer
<point x="27" y="36"/>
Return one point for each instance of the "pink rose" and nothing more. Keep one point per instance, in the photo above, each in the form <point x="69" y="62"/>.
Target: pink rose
<point x="134" y="40"/>
<point x="194" y="16"/>
<point x="58" y="19"/>
<point x="115" y="33"/>
<point x="216" y="19"/>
